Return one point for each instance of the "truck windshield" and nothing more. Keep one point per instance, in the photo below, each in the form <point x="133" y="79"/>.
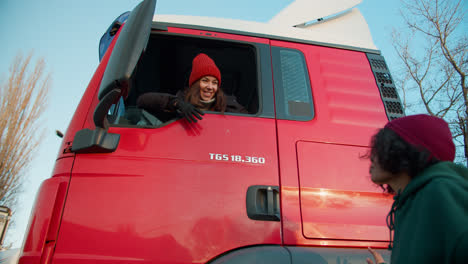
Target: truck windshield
<point x="106" y="39"/>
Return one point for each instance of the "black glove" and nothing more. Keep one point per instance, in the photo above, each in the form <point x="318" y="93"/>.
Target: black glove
<point x="188" y="111"/>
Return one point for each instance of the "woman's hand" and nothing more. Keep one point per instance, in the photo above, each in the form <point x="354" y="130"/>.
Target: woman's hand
<point x="377" y="257"/>
<point x="188" y="111"/>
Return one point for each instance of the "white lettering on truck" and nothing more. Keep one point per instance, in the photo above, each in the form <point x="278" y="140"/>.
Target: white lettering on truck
<point x="237" y="158"/>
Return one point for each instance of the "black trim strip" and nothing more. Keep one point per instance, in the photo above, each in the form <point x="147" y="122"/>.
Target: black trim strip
<point x="387" y="88"/>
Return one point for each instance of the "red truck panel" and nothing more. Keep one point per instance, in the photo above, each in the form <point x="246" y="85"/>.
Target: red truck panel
<point x="160" y="195"/>
<point x="46" y="214"/>
<point x="339" y="200"/>
<point x="348" y="110"/>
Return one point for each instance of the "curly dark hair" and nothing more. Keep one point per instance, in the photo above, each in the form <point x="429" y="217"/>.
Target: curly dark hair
<point x="395" y="155"/>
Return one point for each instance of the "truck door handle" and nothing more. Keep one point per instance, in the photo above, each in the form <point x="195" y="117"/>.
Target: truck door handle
<point x="263" y="203"/>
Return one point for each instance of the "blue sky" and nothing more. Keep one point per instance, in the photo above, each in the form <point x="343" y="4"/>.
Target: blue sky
<point x="66" y="34"/>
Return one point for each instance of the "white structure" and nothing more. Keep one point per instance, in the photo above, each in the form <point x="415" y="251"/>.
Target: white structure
<point x="334" y="22"/>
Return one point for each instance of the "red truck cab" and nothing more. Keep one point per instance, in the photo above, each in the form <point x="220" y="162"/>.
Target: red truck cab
<point x="283" y="183"/>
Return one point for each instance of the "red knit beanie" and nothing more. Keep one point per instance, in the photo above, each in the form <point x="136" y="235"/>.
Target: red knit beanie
<point x="202" y="65"/>
<point x="427" y="131"/>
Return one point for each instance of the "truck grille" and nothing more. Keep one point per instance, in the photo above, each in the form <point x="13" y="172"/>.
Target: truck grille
<point x="388" y="92"/>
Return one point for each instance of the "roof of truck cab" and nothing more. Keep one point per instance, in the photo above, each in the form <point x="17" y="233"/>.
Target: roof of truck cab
<point x="348" y="31"/>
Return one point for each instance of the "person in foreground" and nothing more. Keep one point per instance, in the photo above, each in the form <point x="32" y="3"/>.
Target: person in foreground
<point x="203" y="93"/>
<point x="412" y="157"/>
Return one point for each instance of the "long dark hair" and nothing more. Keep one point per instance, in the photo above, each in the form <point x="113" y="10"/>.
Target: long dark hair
<point x="192" y="95"/>
<point x="395" y="155"/>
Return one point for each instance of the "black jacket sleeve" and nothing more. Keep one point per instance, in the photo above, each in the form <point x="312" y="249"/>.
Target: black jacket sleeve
<point x="156" y="102"/>
<point x="161" y="105"/>
<point x="232" y="106"/>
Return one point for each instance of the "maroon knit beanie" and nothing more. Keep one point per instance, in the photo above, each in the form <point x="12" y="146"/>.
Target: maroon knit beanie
<point x="427" y="131"/>
<point x="202" y="65"/>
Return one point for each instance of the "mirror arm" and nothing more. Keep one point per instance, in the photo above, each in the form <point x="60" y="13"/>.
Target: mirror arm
<point x="100" y="113"/>
<point x="98" y="140"/>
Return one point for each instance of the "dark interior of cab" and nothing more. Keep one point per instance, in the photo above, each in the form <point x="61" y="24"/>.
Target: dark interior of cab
<point x="166" y="65"/>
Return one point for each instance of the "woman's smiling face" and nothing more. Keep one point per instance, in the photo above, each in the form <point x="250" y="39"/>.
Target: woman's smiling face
<point x="208" y="87"/>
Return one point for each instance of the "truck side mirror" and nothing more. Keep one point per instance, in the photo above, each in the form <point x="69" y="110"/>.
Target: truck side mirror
<point x="127" y="51"/>
<point x="116" y="81"/>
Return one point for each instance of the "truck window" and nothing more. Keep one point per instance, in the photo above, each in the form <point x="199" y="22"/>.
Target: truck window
<point x="293" y="91"/>
<point x="166" y="65"/>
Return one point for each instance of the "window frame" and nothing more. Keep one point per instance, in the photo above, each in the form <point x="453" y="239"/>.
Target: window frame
<point x="264" y="83"/>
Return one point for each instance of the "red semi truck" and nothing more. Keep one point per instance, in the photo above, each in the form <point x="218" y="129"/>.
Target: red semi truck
<point x="283" y="183"/>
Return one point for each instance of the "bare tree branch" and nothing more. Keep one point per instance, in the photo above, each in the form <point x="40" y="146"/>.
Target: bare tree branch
<point x="23" y="99"/>
<point x="434" y="57"/>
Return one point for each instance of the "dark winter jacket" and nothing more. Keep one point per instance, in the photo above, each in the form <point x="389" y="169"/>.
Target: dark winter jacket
<point x="161" y="105"/>
<point x="430" y="217"/>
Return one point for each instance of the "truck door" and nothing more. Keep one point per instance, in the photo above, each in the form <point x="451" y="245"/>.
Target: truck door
<point x="178" y="192"/>
<point x="328" y="107"/>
